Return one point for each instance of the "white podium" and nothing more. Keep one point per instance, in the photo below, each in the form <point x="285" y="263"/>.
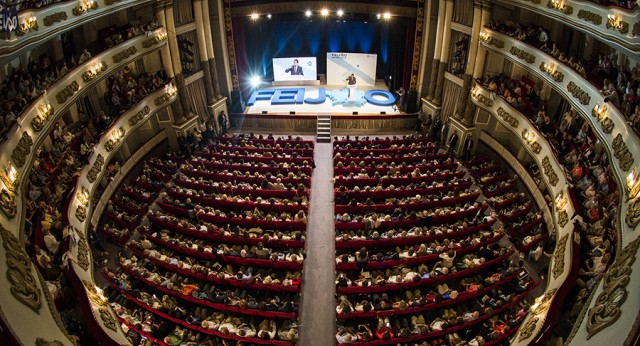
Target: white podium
<point x="352" y="92"/>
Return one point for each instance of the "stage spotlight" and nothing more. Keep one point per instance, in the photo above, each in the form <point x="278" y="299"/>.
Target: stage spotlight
<point x="386" y="15"/>
<point x="378" y="16"/>
<point x="255" y="81"/>
<point x="324" y="12"/>
<point x="255" y="16"/>
<point x="269" y="15"/>
<point x="340" y="13"/>
<point x="307" y="13"/>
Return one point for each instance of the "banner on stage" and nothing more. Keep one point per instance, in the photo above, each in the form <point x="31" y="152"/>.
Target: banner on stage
<point x="342" y="65"/>
<point x="295" y="68"/>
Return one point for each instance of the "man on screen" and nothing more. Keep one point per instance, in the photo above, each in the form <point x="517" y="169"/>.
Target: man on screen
<point x="295" y="69"/>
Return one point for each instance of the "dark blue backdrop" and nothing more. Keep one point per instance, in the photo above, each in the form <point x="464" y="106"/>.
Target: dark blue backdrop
<point x="257" y="42"/>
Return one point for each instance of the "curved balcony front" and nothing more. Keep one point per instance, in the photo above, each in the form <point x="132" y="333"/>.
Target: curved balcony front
<point x="79" y="207"/>
<point x="25" y="296"/>
<point x="622" y="145"/>
<point x="35" y="26"/>
<point x="613" y="24"/>
<point x="562" y="263"/>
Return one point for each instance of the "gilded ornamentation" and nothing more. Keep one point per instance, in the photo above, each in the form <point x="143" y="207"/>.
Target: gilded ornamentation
<point x="22" y="150"/>
<point x="94" y="71"/>
<point x="54" y="18"/>
<point x="563" y="218"/>
<point x="154" y="40"/>
<point x="549" y="171"/>
<point x="606" y="310"/>
<point x="107" y="318"/>
<point x="27" y="27"/>
<point x="578" y="93"/>
<point x="111" y="143"/>
<point x="83" y="251"/>
<point x="566" y="9"/>
<point x="607" y="125"/>
<point x="633" y="212"/>
<point x="124" y="54"/>
<point x="493" y="41"/>
<point x="417" y="46"/>
<point x="23" y="283"/>
<point x="622" y="153"/>
<point x="8" y="204"/>
<point x="85" y="7"/>
<point x="506" y="116"/>
<point x="67" y="92"/>
<point x="527" y="329"/>
<point x="558" y="257"/>
<point x="92" y="174"/>
<point x="636" y="29"/>
<point x="136" y="118"/>
<point x="483" y="99"/>
<point x="551" y="70"/>
<point x="44" y="342"/>
<point x="235" y="81"/>
<point x="81" y="213"/>
<point x="526" y="56"/>
<point x="590" y="17"/>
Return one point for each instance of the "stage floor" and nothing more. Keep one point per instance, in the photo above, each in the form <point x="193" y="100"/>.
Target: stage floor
<point x="329" y="106"/>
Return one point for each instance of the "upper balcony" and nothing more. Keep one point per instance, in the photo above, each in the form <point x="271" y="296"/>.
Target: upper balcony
<point x="622" y="145"/>
<point x="615" y="25"/>
<point x="31" y="27"/>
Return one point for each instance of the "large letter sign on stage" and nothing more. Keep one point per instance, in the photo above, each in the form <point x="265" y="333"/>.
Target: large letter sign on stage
<point x="286" y="96"/>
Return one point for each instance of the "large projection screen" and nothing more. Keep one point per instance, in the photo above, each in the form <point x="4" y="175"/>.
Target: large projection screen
<point x="341" y="65"/>
<point x="283" y="69"/>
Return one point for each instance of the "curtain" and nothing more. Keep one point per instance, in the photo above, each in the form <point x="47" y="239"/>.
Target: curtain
<point x="458" y="63"/>
<point x="197" y="97"/>
<point x="463" y="12"/>
<point x="183" y="12"/>
<point x="451" y="93"/>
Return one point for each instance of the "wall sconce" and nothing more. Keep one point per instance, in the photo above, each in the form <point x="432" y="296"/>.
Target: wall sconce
<point x="542" y="303"/>
<point x="162" y="36"/>
<point x="94" y="70"/>
<point x="560" y="6"/>
<point x="530" y="138"/>
<point x="9" y="177"/>
<point x="95" y="293"/>
<point x="561" y="201"/>
<point x="551" y="69"/>
<point x="170" y="90"/>
<point x="84" y="6"/>
<point x="116" y="136"/>
<point x="614" y="22"/>
<point x="29" y="24"/>
<point x="44" y="112"/>
<point x="83" y="196"/>
<point x="632" y="184"/>
<point x="599" y="110"/>
<point x="484" y="36"/>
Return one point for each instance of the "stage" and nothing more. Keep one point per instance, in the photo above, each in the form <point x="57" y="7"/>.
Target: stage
<point x="335" y="104"/>
<point x="291" y="112"/>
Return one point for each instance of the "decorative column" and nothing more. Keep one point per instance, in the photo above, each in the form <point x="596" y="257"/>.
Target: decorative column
<point x="210" y="54"/>
<point x="471" y="60"/>
<point x="202" y="49"/>
<point x="479" y="56"/>
<point x="228" y="27"/>
<point x="417" y="47"/>
<point x="175" y="59"/>
<point x="436" y="52"/>
<point x="444" y="52"/>
<point x="165" y="54"/>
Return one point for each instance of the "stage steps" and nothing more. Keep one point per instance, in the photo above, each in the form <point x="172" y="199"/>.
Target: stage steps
<point x="323" y="128"/>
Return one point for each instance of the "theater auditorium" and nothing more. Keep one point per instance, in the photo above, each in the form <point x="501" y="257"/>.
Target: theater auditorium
<point x="315" y="173"/>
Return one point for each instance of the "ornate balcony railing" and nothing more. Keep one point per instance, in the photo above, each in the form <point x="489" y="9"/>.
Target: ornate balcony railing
<point x="613" y="24"/>
<point x="35" y="26"/>
<point x="79" y="205"/>
<point x="29" y="299"/>
<point x="623" y="146"/>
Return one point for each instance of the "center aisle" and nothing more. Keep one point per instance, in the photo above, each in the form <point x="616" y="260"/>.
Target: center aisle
<point x="318" y="291"/>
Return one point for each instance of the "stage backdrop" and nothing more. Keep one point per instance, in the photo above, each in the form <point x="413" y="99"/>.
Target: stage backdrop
<point x="283" y="69"/>
<point x="341" y="65"/>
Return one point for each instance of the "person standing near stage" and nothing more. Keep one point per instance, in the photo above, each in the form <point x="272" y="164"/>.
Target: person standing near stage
<point x="295" y="70"/>
<point x="222" y="121"/>
<point x="351" y="80"/>
<point x="468" y="145"/>
<point x="402" y="98"/>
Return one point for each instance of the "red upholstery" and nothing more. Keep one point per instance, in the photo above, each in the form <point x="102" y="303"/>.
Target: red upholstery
<point x="397" y="159"/>
<point x="233" y="148"/>
<point x="387" y="151"/>
<point x="382" y="142"/>
<point x="362" y="209"/>
<point x="383" y="170"/>
<point x="261" y="159"/>
<point x="351" y="182"/>
<point x="230" y="205"/>
<point x="252" y="168"/>
<point x="241" y="178"/>
<point x="264" y="141"/>
<point x="242" y="192"/>
<point x="384" y="194"/>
